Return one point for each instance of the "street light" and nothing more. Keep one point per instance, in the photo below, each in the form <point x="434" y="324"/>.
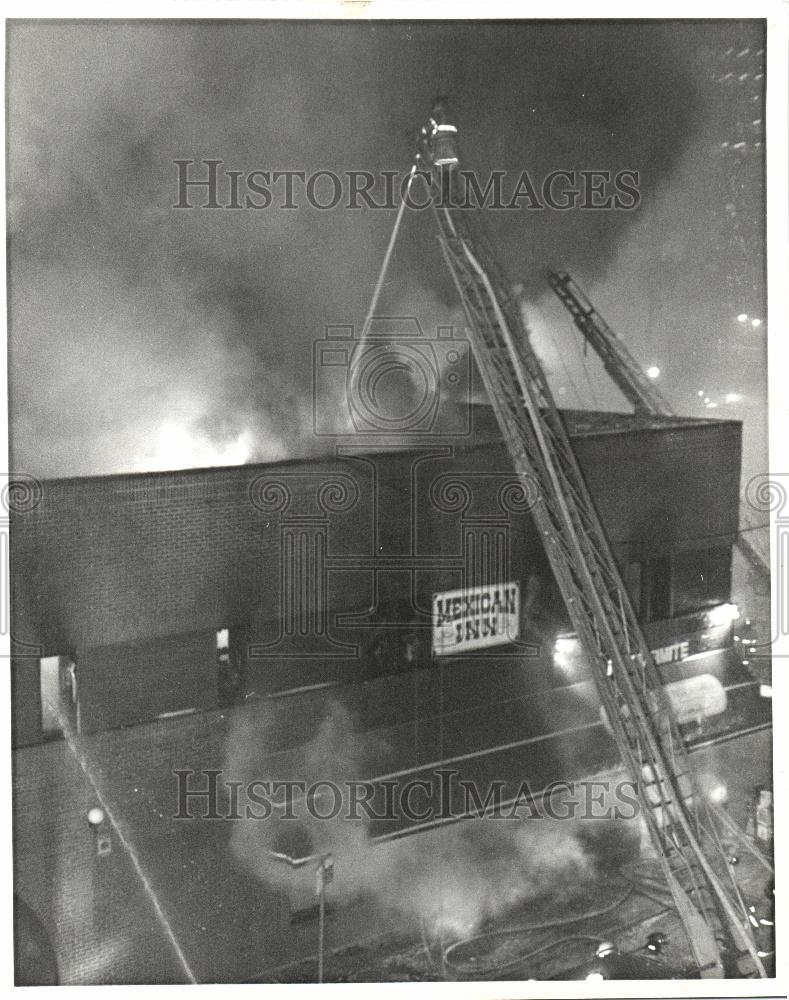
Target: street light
<point x="324" y="873"/>
<point x="97" y="821"/>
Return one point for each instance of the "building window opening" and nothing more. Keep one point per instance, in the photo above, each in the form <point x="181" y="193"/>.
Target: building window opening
<point x="228" y="676"/>
<point x="59" y="697"/>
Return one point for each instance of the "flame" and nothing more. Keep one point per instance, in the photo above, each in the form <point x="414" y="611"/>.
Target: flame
<point x="178" y="447"/>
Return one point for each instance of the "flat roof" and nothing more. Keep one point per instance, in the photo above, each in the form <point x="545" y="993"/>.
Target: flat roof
<point x="485" y="430"/>
<point x="583" y="423"/>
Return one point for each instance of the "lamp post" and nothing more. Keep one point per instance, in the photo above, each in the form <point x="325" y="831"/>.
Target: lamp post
<point x="324" y="873"/>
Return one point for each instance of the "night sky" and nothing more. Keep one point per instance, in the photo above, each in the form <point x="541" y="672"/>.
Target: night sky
<point x="143" y="337"/>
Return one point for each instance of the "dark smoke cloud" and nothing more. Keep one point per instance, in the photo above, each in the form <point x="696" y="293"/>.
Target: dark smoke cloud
<point x="139" y="332"/>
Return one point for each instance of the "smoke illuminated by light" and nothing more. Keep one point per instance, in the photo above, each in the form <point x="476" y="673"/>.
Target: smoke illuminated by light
<point x="176" y="447"/>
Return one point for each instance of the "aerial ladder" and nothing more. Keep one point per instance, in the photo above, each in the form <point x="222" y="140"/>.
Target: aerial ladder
<point x="680" y="823"/>
<point x="632" y="381"/>
<point x="620" y="364"/>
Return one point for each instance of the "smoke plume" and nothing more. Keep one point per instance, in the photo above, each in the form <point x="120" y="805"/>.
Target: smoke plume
<point x="143" y="337"/>
<point x="453" y="879"/>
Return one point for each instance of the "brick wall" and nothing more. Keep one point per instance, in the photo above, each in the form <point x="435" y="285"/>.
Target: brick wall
<point x="131" y="559"/>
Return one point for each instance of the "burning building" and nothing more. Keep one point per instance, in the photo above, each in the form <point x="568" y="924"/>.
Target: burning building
<point x="379" y="613"/>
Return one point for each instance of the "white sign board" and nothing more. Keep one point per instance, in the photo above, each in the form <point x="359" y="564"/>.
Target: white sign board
<point x="476" y="617"/>
<point x="696" y="698"/>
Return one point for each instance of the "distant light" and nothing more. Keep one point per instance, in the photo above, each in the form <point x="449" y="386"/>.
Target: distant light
<point x="706" y="399"/>
<point x="653" y="372"/>
<point x="604" y="949"/>
<point x="756" y="322"/>
<point x="700" y="392"/>
<point x="96" y="816"/>
<point x="711" y="406"/>
<point x="733" y="397"/>
<point x="742" y="318"/>
<point x="595" y="977"/>
<point x="765" y="690"/>
<point x="719" y="794"/>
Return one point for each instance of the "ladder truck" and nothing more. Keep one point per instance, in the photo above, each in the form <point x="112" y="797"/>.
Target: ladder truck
<point x="680" y="822"/>
<point x="629" y="378"/>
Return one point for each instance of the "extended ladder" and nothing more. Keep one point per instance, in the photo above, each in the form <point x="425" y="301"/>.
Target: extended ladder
<point x="620" y="364"/>
<point x="634" y="384"/>
<point x="598" y="603"/>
